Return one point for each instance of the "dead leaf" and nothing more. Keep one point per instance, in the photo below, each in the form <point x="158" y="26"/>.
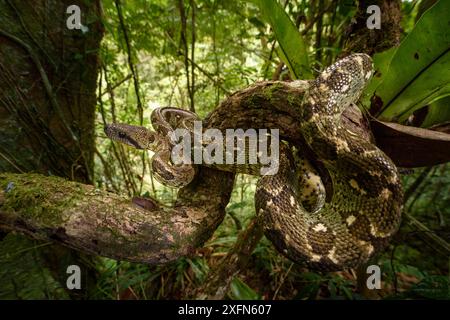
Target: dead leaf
<point x="411" y="147"/>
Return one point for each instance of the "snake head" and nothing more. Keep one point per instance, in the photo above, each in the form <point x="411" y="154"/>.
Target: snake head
<point x="342" y="83"/>
<point x="135" y="136"/>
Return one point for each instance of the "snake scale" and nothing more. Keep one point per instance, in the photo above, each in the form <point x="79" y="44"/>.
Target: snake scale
<point x="364" y="210"/>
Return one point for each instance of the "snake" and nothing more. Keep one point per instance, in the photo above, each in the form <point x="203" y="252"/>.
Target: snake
<point x="343" y="229"/>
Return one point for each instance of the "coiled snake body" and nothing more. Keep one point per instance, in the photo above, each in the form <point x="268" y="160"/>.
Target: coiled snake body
<point x="364" y="209"/>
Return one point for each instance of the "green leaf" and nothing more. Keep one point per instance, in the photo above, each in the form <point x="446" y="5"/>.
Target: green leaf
<point x="332" y="289"/>
<point x="433" y="287"/>
<point x="310" y="285"/>
<point x="199" y="267"/>
<point x="411" y="270"/>
<point x="381" y="62"/>
<point x="438" y="112"/>
<point x="419" y="72"/>
<point x="237" y="205"/>
<point x="347" y="292"/>
<point x="256" y="22"/>
<point x="241" y="291"/>
<point x="292" y="48"/>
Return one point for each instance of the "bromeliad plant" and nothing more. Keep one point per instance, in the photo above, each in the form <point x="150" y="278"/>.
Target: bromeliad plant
<point x="412" y="76"/>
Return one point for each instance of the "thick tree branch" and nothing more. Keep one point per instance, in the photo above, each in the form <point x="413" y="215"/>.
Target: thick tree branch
<point x="106" y="224"/>
<point x="359" y="38"/>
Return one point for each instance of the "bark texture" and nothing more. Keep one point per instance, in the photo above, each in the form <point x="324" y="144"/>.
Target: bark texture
<point x="106" y="224"/>
<point x="361" y="39"/>
<point x="48" y="78"/>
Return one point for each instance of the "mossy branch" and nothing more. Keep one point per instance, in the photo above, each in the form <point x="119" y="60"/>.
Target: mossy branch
<point x="100" y="222"/>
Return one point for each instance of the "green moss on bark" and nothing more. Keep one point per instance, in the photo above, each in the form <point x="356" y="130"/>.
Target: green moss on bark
<point x="38" y="200"/>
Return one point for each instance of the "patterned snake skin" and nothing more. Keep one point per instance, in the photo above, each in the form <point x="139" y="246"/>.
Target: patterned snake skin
<point x="364" y="210"/>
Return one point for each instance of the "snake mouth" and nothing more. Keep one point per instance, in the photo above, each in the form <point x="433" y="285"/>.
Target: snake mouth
<point x="130" y="141"/>
<point x="121" y="133"/>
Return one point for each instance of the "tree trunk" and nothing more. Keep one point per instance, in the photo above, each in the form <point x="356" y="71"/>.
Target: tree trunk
<point x="48" y="78"/>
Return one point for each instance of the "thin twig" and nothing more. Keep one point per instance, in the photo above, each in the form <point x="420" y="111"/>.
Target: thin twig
<point x="30" y="35"/>
<point x="130" y="61"/>
<point x="192" y="4"/>
<point x="11" y="163"/>
<point x="45" y="80"/>
<point x="427" y="232"/>
<point x="114" y="86"/>
<point x="206" y="73"/>
<point x="282" y="281"/>
<point x="184" y="45"/>
<point x="125" y="175"/>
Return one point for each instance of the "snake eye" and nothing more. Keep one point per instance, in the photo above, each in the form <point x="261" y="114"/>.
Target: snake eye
<point x="122" y="135"/>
